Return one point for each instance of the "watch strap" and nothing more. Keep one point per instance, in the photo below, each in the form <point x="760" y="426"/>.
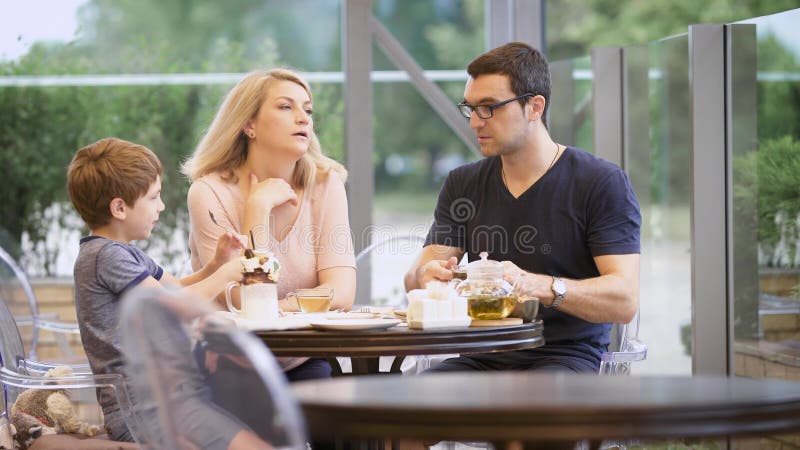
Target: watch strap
<point x="559" y="296"/>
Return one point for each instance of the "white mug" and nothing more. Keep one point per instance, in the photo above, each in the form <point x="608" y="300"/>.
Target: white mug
<point x="259" y="301"/>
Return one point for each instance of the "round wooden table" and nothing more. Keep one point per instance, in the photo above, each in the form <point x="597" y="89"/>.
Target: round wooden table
<point x="545" y="407"/>
<point x="365" y="347"/>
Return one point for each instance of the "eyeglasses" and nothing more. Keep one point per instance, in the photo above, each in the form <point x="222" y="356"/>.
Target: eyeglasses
<point x="486" y="111"/>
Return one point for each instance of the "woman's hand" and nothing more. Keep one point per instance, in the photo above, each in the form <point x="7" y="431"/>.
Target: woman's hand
<point x="271" y="192"/>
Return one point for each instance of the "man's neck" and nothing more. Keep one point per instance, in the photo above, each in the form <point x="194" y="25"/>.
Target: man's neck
<point x="529" y="163"/>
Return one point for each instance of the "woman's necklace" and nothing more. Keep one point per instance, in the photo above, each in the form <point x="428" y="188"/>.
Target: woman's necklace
<point x="503" y="172"/>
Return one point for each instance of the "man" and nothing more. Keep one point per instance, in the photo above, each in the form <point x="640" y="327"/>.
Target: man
<point x="566" y="220"/>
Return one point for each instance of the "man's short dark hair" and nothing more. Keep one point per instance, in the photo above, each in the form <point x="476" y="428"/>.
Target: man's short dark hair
<point x="524" y="65"/>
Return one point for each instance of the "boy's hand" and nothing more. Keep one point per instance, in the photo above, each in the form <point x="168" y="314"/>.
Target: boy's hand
<point x="229" y="246"/>
<point x="231" y="271"/>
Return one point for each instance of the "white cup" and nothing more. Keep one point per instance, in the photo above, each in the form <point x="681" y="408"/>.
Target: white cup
<point x="259" y="301"/>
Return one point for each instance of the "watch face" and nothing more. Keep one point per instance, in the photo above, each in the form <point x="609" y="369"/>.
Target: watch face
<point x="559" y="287"/>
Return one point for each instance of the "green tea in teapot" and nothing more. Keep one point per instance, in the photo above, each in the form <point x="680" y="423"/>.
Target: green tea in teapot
<point x="489" y="296"/>
<point x="489" y="307"/>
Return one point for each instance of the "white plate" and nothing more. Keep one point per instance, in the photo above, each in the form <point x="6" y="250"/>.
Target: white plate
<point x="351" y="316"/>
<point x="355" y="324"/>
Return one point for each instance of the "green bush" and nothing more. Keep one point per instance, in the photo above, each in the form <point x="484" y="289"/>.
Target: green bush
<point x="767" y="188"/>
<point x="779" y="200"/>
<point x="42" y="127"/>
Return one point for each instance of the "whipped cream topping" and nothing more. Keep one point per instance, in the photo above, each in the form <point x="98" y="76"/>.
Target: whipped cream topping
<point x="266" y="262"/>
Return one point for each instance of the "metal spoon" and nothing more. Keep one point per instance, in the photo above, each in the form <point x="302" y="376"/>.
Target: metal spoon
<point x="247" y="252"/>
<point x="210" y="214"/>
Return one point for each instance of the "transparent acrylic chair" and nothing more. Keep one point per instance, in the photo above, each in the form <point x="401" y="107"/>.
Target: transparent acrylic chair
<point x="625" y="349"/>
<point x="197" y="381"/>
<point x="18" y="373"/>
<point x="17" y="293"/>
<point x="393" y="255"/>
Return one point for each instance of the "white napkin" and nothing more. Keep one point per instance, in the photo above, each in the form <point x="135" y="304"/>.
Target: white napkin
<point x="289" y="322"/>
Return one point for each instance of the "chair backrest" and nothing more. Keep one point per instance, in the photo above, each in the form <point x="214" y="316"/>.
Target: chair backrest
<point x="17" y="293"/>
<point x="384" y="244"/>
<point x="225" y="383"/>
<point x="12" y="351"/>
<point x="624" y="349"/>
<point x="392" y="257"/>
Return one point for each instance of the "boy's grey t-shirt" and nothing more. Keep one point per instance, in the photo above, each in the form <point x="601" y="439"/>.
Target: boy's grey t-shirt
<point x="104" y="270"/>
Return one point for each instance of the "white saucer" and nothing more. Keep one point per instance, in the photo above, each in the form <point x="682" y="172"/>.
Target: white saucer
<point x="351" y="316"/>
<point x="355" y="324"/>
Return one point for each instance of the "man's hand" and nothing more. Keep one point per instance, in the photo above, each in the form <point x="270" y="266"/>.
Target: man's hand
<point x="435" y="262"/>
<point x="526" y="285"/>
<point x="511" y="272"/>
<point x="436" y="269"/>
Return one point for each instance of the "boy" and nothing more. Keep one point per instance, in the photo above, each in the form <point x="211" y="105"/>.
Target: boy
<point x="115" y="186"/>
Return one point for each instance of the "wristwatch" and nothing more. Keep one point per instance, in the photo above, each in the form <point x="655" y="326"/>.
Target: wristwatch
<point x="560" y="290"/>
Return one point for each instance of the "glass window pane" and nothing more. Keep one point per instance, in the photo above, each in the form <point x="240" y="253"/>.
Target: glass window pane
<point x="766" y="197"/>
<point x="571" y="111"/>
<point x="414" y="148"/>
<point x="660" y="174"/>
<point x="148" y="72"/>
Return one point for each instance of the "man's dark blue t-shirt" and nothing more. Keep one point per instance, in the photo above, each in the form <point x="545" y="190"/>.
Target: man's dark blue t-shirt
<point x="581" y="208"/>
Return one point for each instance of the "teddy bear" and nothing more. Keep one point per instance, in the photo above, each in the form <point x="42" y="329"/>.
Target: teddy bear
<point x="46" y="411"/>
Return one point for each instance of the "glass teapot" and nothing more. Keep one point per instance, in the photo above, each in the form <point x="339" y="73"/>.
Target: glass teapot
<point x="489" y="296"/>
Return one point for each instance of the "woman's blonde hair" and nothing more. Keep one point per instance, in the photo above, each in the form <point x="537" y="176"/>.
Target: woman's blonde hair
<point x="224" y="146"/>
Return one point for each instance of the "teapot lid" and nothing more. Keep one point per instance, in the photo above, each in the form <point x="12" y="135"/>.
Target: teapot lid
<point x="484" y="268"/>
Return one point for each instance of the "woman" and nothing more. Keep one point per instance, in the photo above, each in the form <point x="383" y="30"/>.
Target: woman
<point x="260" y="171"/>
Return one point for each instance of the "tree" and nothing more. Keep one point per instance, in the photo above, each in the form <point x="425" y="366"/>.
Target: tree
<point x="574" y="26"/>
<point x="41" y="127"/>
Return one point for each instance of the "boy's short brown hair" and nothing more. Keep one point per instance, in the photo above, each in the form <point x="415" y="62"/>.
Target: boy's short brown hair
<point x="108" y="169"/>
